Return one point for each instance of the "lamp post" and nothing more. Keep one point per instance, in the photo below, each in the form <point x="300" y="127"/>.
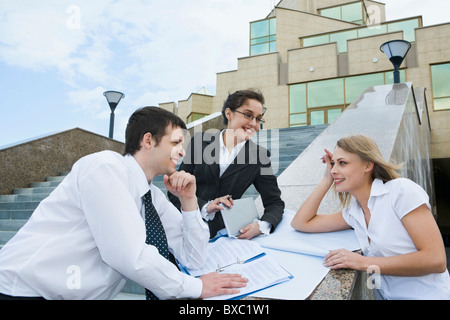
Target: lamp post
<point x="396" y="51"/>
<point x="113" y="98"/>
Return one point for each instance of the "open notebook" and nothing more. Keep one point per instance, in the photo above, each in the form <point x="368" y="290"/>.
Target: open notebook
<point x="245" y="257"/>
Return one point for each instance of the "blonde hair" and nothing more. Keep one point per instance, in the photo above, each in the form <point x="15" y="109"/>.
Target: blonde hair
<point x="367" y="150"/>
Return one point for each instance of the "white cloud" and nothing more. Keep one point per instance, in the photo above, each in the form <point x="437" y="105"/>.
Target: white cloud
<point x="90" y="101"/>
<point x="155" y="44"/>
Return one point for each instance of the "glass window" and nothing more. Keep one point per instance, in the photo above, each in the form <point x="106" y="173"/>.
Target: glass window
<point x="355" y="86"/>
<point x="325" y="93"/>
<point x="312" y="41"/>
<point x="333" y="114"/>
<point x="259" y="49"/>
<point x="317" y="117"/>
<point x="272" y="46"/>
<point x="334" y="13"/>
<point x="314" y="97"/>
<point x="407" y="27"/>
<point x="440" y="79"/>
<point x="272" y="26"/>
<point x="441" y="103"/>
<point x="297" y="98"/>
<point x="259" y="40"/>
<point x="259" y="29"/>
<point x="372" y="30"/>
<point x="352" y="12"/>
<point x="263" y="36"/>
<point x="389" y="77"/>
<point x="440" y="75"/>
<point x="297" y="119"/>
<point x="341" y="39"/>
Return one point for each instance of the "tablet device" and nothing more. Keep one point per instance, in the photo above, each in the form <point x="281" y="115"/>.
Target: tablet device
<point x="240" y="215"/>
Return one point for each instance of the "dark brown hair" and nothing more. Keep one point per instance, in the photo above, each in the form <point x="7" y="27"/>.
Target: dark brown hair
<point x="148" y="119"/>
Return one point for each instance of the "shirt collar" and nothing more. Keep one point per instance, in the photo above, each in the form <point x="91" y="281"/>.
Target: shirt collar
<point x="138" y="175"/>
<point x="378" y="188"/>
<point x="222" y="144"/>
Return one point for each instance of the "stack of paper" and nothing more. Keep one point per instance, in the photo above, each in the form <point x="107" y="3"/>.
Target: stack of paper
<point x="302" y="255"/>
<point x="270" y="261"/>
<point x="245" y="257"/>
<point x="286" y="238"/>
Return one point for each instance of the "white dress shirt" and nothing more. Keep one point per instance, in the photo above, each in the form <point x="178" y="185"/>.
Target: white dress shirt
<point x="388" y="203"/>
<point x="225" y="159"/>
<point x="88" y="236"/>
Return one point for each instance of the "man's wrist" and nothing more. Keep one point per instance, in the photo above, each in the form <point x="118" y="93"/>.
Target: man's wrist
<point x="189" y="204"/>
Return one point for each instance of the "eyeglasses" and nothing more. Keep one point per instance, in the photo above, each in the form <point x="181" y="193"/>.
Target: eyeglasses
<point x="250" y="117"/>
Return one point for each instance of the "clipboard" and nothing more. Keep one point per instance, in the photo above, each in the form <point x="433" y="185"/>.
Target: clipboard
<point x="240" y="215"/>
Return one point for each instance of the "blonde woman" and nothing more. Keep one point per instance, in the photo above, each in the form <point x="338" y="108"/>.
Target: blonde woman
<point x="391" y="217"/>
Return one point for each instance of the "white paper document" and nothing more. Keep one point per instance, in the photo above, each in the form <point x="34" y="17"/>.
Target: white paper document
<point x="245" y="257"/>
<point x="307" y="271"/>
<point x="227" y="251"/>
<point x="286" y="238"/>
<point x="261" y="273"/>
<point x="284" y="255"/>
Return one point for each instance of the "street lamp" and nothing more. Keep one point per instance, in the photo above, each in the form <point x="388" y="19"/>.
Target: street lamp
<point x="113" y="98"/>
<point x="396" y="51"/>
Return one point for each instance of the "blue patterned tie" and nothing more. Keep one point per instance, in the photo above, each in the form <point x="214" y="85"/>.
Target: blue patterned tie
<point x="155" y="233"/>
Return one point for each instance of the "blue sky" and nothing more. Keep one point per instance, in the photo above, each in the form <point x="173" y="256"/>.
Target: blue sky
<point x="57" y="57"/>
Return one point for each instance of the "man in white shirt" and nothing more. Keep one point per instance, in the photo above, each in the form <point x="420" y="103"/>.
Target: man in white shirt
<point x="89" y="235"/>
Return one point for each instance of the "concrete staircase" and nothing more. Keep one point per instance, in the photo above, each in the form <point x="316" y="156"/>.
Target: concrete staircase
<point x="285" y="145"/>
<point x="16" y="208"/>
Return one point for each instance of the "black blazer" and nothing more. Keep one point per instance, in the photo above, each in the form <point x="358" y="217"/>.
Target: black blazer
<point x="251" y="166"/>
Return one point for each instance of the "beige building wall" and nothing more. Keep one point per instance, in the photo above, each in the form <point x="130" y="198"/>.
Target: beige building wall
<point x="184" y="109"/>
<point x="433" y="46"/>
<point x="196" y="103"/>
<point x="312" y="63"/>
<point x="262" y="73"/>
<point x="169" y="106"/>
<point x="364" y="54"/>
<point x="292" y="25"/>
<point x="203" y="103"/>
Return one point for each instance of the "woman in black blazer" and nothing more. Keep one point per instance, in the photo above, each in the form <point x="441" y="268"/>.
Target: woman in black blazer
<point x="225" y="163"/>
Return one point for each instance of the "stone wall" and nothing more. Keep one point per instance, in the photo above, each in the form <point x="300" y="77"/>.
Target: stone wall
<point x="35" y="160"/>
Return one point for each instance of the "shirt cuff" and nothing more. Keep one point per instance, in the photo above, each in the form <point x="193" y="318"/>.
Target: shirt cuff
<point x="192" y="288"/>
<point x="205" y="215"/>
<point x="194" y="216"/>
<point x="264" y="227"/>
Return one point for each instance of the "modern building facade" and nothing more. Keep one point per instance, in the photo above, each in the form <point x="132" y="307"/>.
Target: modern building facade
<point x="312" y="58"/>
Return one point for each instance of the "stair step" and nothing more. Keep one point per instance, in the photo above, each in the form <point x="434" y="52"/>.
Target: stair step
<point x="45" y="184"/>
<point x="16" y="214"/>
<point x="55" y="178"/>
<point x="33" y="197"/>
<point x="12" y="224"/>
<point x="31" y="205"/>
<point x="5" y="236"/>
<point x="46" y="190"/>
